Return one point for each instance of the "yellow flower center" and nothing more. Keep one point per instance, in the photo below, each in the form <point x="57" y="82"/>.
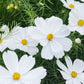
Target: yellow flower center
<point x="24" y="41"/>
<point x="71" y="5"/>
<point x="74" y="74"/>
<point x="81" y="22"/>
<point x="1" y="41"/>
<point x="16" y="76"/>
<point x="50" y="36"/>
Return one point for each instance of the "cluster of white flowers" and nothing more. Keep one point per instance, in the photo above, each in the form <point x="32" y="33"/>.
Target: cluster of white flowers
<point x="51" y="34"/>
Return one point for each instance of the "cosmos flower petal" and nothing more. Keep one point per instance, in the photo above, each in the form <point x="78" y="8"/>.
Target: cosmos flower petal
<point x="68" y="62"/>
<point x="7" y="81"/>
<point x="72" y="28"/>
<point x="73" y="18"/>
<point x="70" y="1"/>
<point x="4" y="45"/>
<point x="46" y="52"/>
<point x="38" y="73"/>
<point x="40" y="22"/>
<point x="35" y="33"/>
<point x="12" y="64"/>
<point x="82" y="0"/>
<point x="48" y="25"/>
<point x="58" y="54"/>
<point x="65" y="42"/>
<point x="69" y="81"/>
<point x="53" y="24"/>
<point x="62" y="66"/>
<point x="31" y="50"/>
<point x="14" y="32"/>
<point x="55" y="46"/>
<point x="63" y="32"/>
<point x="15" y="82"/>
<point x="81" y="77"/>
<point x="44" y="42"/>
<point x="32" y="42"/>
<point x="78" y="65"/>
<point x="57" y="49"/>
<point x="35" y="81"/>
<point x="65" y="75"/>
<point x="26" y="63"/>
<point x="76" y="81"/>
<point x="81" y="31"/>
<point x="6" y="30"/>
<point x="4" y="73"/>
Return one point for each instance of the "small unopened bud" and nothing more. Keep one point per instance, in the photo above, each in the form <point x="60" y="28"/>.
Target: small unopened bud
<point x="41" y="3"/>
<point x="63" y="11"/>
<point x="78" y="40"/>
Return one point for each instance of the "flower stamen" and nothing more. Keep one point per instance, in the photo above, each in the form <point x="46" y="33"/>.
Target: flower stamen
<point x="24" y="41"/>
<point x="16" y="76"/>
<point x="50" y="36"/>
<point x="71" y="5"/>
<point x="74" y="74"/>
<point x="81" y="22"/>
<point x="1" y="41"/>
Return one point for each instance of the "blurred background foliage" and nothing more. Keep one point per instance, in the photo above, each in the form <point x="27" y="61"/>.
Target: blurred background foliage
<point x="23" y="13"/>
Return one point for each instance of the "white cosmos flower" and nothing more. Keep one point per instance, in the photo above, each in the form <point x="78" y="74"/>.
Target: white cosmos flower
<point x="51" y="34"/>
<point x="20" y="71"/>
<point x="70" y="4"/>
<point x="76" y="20"/>
<point x="73" y="73"/>
<point x="23" y="41"/>
<point x="4" y="40"/>
<point x="82" y="0"/>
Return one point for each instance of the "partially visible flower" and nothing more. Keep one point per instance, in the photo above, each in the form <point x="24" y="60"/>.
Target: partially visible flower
<point x="23" y="41"/>
<point x="76" y="20"/>
<point x="73" y="73"/>
<point x="4" y="41"/>
<point x="52" y="35"/>
<point x="70" y="4"/>
<point x="82" y="0"/>
<point x="20" y="71"/>
<point x="15" y="7"/>
<point x="11" y="5"/>
<point x="78" y="40"/>
<point x="5" y="30"/>
<point x="8" y="7"/>
<point x="19" y="1"/>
